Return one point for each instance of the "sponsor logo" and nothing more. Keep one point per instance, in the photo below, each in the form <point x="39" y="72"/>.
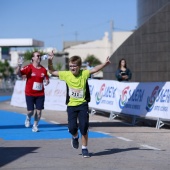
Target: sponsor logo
<point x="131" y="99"/>
<point x="123" y="98"/>
<point x="99" y="95"/>
<point x="159" y="100"/>
<point x="105" y="95"/>
<point x="42" y="74"/>
<point x="151" y="99"/>
<point x="33" y="74"/>
<point x="91" y="88"/>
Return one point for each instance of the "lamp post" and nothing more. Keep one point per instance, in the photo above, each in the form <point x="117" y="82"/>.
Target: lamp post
<point x="62" y="36"/>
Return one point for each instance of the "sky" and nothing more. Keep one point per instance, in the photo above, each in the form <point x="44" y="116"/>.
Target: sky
<point x="55" y="21"/>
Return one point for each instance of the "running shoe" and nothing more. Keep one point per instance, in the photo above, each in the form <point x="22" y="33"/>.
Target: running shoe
<point x="35" y="128"/>
<point x="27" y="122"/>
<point x="75" y="143"/>
<point x="85" y="153"/>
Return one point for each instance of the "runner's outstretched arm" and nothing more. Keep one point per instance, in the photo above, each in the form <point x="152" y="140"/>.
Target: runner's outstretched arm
<point x="99" y="67"/>
<point x="50" y="65"/>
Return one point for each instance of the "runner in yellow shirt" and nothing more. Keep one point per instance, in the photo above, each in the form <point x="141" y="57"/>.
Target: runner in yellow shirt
<point x="77" y="98"/>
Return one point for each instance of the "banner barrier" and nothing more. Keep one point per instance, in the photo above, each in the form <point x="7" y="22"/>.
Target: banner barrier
<point x="150" y="99"/>
<point x="55" y="94"/>
<point x="140" y="99"/>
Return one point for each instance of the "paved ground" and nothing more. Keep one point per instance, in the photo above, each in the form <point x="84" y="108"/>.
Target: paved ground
<point x="129" y="148"/>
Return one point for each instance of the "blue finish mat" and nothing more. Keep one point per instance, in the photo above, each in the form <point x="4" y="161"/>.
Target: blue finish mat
<point x="4" y="98"/>
<point x="12" y="128"/>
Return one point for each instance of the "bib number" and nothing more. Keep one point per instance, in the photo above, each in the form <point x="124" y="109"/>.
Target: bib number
<point x="37" y="86"/>
<point x="76" y="93"/>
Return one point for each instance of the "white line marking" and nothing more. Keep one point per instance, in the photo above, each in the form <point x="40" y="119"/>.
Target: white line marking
<point x="54" y="122"/>
<point x="125" y="139"/>
<point x="42" y="118"/>
<point x="103" y="133"/>
<point x="151" y="147"/>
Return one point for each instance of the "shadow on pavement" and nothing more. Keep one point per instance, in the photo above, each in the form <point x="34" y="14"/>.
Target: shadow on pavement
<point x="114" y="151"/>
<point x="9" y="154"/>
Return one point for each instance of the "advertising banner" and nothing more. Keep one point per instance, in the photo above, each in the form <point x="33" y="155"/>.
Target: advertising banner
<point x="141" y="99"/>
<point x="150" y="99"/>
<point x="55" y="95"/>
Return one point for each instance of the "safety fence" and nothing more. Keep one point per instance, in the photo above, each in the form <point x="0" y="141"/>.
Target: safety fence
<point x="7" y="85"/>
<point x="150" y="100"/>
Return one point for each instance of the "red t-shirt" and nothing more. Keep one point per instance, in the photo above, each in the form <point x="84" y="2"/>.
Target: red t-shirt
<point x="34" y="83"/>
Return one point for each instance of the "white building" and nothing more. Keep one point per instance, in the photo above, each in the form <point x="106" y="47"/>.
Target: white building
<point x="101" y="49"/>
<point x="12" y="56"/>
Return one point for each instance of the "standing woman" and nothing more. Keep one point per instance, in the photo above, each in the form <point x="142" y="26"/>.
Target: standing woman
<point x="123" y="73"/>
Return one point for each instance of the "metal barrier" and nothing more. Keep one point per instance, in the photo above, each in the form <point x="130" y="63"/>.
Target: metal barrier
<point x="7" y="85"/>
<point x="135" y="119"/>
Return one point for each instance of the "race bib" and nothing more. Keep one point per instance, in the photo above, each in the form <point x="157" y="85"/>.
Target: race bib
<point x="37" y="86"/>
<point x="76" y="93"/>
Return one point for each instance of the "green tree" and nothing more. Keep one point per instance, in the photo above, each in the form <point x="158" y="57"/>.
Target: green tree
<point x="92" y="60"/>
<point x="58" y="66"/>
<point x="5" y="69"/>
<point x="28" y="54"/>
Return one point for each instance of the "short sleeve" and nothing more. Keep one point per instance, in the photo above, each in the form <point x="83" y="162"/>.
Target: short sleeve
<point x="26" y="70"/>
<point x="62" y="75"/>
<point x="86" y="73"/>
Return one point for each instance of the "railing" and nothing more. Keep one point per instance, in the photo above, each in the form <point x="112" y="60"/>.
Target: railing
<point x="7" y="85"/>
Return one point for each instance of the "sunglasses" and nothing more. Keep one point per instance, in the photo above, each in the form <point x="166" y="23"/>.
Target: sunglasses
<point x="71" y="66"/>
<point x="38" y="56"/>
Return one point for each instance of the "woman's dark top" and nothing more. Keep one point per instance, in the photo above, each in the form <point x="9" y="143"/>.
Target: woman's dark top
<point x="119" y="73"/>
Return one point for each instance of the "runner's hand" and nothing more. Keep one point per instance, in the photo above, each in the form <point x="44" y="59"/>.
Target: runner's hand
<point x="108" y="61"/>
<point x="51" y="55"/>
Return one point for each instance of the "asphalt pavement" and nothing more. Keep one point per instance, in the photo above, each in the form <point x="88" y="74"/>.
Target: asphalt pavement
<point x="113" y="144"/>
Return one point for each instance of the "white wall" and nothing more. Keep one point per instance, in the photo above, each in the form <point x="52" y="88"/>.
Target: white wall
<point x="118" y="38"/>
<point x="15" y="55"/>
<point x="14" y="58"/>
<point x="101" y="49"/>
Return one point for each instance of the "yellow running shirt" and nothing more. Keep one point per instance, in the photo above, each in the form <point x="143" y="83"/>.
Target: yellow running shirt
<point x="76" y="86"/>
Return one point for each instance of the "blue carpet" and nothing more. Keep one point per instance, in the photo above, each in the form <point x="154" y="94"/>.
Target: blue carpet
<point x="4" y="98"/>
<point x="12" y="128"/>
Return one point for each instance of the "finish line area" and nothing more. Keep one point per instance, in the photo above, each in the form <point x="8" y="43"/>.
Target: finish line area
<point x="109" y="143"/>
<point x="4" y="98"/>
<point x="12" y="128"/>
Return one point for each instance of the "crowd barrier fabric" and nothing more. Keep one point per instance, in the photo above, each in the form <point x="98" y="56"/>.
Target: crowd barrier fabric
<point x="55" y="95"/>
<point x="151" y="99"/>
<point x="141" y="99"/>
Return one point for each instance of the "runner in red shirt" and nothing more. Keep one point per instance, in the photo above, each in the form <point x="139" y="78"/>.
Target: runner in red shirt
<point x="34" y="90"/>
